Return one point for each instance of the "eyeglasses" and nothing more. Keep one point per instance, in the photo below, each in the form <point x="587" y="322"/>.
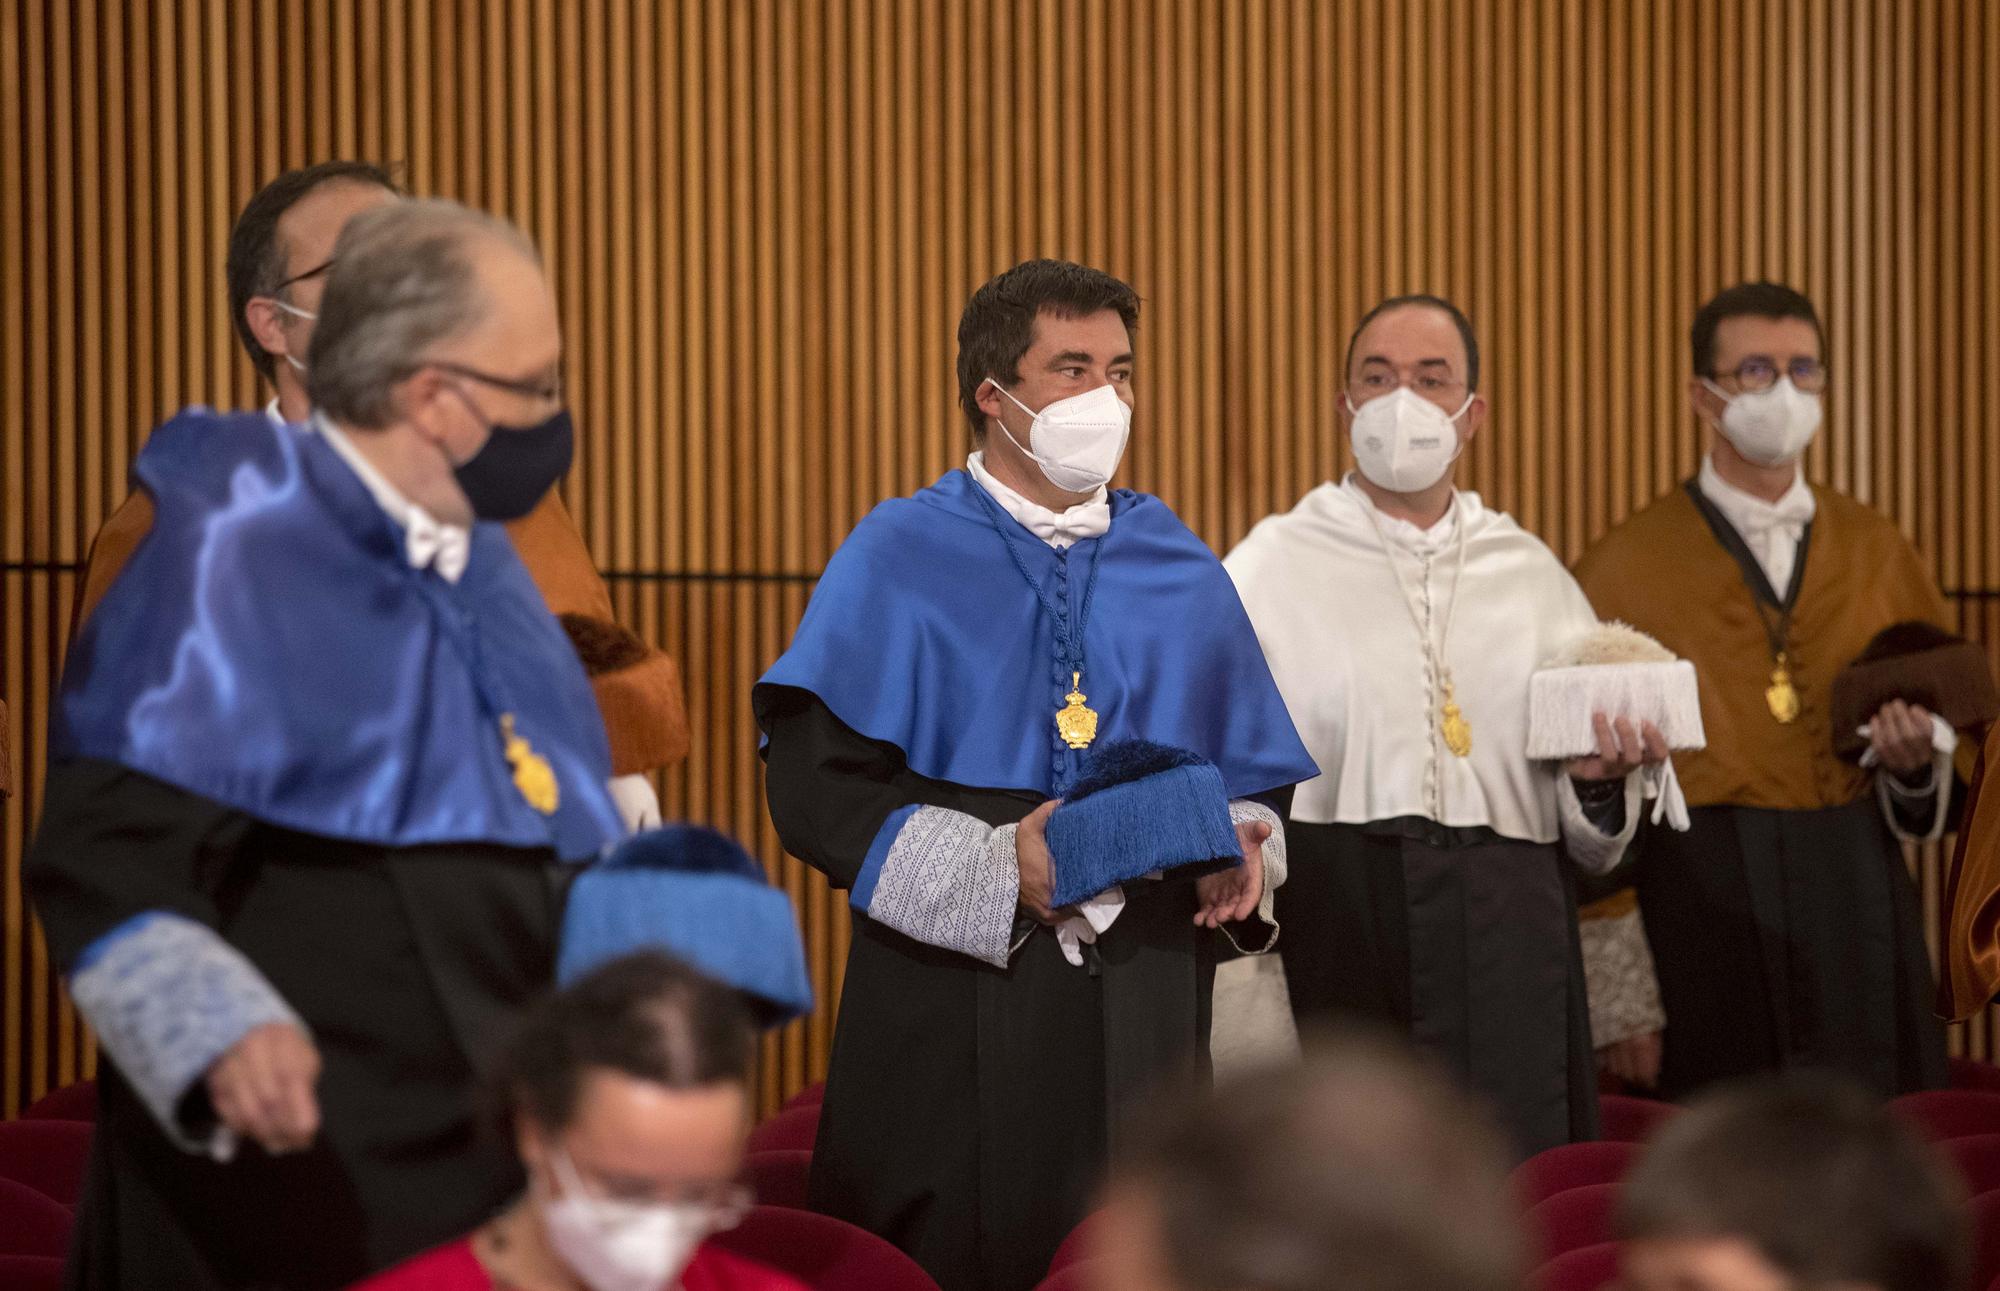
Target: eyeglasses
<point x="1761" y="372"/>
<point x="313" y="272"/>
<point x="724" y="1204"/>
<point x="549" y="391"/>
<point x="1433" y="383"/>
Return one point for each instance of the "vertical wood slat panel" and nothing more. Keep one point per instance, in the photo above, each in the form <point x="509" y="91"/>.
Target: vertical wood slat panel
<point x="762" y="219"/>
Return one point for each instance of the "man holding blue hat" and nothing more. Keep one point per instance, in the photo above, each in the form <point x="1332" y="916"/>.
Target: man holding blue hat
<point x="1015" y="637"/>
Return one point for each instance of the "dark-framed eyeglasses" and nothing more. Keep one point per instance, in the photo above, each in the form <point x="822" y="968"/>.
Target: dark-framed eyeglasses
<point x="547" y="390"/>
<point x="313" y="272"/>
<point x="1761" y="372"/>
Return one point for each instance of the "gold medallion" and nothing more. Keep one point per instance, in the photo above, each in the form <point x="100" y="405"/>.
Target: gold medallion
<point x="1781" y="695"/>
<point x="532" y="774"/>
<point x="1452" y="724"/>
<point x="1076" y="724"/>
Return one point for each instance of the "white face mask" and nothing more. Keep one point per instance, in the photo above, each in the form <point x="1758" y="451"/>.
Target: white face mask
<point x="1077" y="442"/>
<point x="1402" y="441"/>
<point x="296" y="312"/>
<point x="621" y="1245"/>
<point x="1770" y="427"/>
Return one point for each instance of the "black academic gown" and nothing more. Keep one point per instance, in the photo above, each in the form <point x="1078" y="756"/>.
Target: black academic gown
<point x="407" y="965"/>
<point x="1465" y="941"/>
<point x="970" y="1109"/>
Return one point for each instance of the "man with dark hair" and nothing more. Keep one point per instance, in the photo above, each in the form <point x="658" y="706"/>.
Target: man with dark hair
<point x="300" y="850"/>
<point x="967" y="657"/>
<point x="1784" y="924"/>
<point x="1361" y="1169"/>
<point x="280" y="255"/>
<point x="1403" y="620"/>
<point x="1802" y="1184"/>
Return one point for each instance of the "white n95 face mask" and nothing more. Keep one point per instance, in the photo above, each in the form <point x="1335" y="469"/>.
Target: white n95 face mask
<point x="1402" y="441"/>
<point x="1770" y="427"/>
<point x="1077" y="442"/>
<point x="621" y="1245"/>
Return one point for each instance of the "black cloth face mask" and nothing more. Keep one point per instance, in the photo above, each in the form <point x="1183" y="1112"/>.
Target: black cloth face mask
<point x="517" y="467"/>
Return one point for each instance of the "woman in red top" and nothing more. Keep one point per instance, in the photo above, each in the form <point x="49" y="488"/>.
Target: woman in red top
<point x="630" y="1108"/>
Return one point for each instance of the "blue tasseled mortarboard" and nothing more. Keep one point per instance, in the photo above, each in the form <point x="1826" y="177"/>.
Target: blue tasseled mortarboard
<point x="695" y="894"/>
<point x="1139" y="808"/>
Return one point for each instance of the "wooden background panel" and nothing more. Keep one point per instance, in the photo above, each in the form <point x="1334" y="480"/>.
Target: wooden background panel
<point x="763" y="217"/>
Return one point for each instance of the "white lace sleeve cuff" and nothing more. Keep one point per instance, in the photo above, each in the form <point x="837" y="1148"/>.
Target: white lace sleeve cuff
<point x="944" y="878"/>
<point x="1618" y="974"/>
<point x="1242" y="811"/>
<point x="167" y="997"/>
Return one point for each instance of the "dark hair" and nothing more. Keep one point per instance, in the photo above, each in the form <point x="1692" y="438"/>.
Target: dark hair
<point x="1819" y="1177"/>
<point x="998" y="324"/>
<point x="1747" y="300"/>
<point x="1362" y="1168"/>
<point x="1456" y="314"/>
<point x="646" y="1015"/>
<point x="256" y="263"/>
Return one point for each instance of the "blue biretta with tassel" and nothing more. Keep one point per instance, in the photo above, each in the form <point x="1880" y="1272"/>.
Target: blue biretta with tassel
<point x="1140" y="808"/>
<point x="696" y="895"/>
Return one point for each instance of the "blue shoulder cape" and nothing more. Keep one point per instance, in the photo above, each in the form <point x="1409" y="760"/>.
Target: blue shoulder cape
<point x="923" y="634"/>
<point x="269" y="648"/>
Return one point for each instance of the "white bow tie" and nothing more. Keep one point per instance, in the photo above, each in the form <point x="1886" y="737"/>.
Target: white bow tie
<point x="431" y="545"/>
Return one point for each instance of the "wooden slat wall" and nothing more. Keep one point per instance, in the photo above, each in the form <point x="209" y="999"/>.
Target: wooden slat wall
<point x="764" y="217"/>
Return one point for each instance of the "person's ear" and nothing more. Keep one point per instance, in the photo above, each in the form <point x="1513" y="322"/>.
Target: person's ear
<point x="1472" y="422"/>
<point x="267" y="325"/>
<point x="1707" y="405"/>
<point x="428" y="402"/>
<point x="988" y="399"/>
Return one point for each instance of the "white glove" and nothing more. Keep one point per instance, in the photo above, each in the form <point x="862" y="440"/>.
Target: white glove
<point x="638" y="806"/>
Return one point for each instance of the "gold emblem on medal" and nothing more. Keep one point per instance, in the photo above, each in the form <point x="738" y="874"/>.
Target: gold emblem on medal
<point x="1076" y="724"/>
<point x="533" y="775"/>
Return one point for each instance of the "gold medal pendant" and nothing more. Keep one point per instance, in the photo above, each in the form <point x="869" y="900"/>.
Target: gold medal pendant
<point x="1456" y="730"/>
<point x="532" y="774"/>
<point x="1781" y="695"/>
<point x="1076" y="724"/>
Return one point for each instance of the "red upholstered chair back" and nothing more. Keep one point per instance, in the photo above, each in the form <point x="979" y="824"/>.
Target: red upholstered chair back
<point x="792" y="1130"/>
<point x="1572" y="1220"/>
<point x="1588" y="1269"/>
<point x="76" y="1102"/>
<point x="1977" y="1157"/>
<point x="1573" y="1165"/>
<point x="31" y="1273"/>
<point x="811" y="1096"/>
<point x="1951" y="1113"/>
<point x="1632" y="1120"/>
<point x="779" y="1178"/>
<point x="826" y="1254"/>
<point x="31" y="1223"/>
<point x="1076" y="1247"/>
<point x="48" y="1156"/>
<point x="1970" y="1073"/>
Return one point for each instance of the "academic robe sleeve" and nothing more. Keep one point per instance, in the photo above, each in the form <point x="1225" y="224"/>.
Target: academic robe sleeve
<point x="123" y="873"/>
<point x="1970" y="973"/>
<point x="933" y="860"/>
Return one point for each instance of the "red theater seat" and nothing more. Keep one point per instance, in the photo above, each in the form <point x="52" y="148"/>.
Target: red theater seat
<point x="1076" y="1247"/>
<point x="826" y="1254"/>
<point x="1078" y="1275"/>
<point x="1588" y="1269"/>
<point x="1985" y="1238"/>
<point x="76" y="1102"/>
<point x="1977" y="1157"/>
<point x="32" y="1223"/>
<point x="792" y="1130"/>
<point x="48" y="1156"/>
<point x="1951" y="1113"/>
<point x="31" y="1273"/>
<point x="811" y="1096"/>
<point x="1572" y="1220"/>
<point x="1970" y="1073"/>
<point x="779" y="1178"/>
<point x="1632" y="1120"/>
<point x="1573" y="1165"/>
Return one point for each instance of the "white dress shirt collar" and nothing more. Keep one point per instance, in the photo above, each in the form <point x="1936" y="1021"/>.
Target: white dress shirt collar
<point x="1062" y="529"/>
<point x="271" y="411"/>
<point x="428" y="543"/>
<point x="1772" y="530"/>
<point x="1406" y="534"/>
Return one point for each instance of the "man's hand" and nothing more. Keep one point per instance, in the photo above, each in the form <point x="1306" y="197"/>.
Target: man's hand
<point x="1621" y="749"/>
<point x="1636" y="1061"/>
<point x="1031" y="851"/>
<point x="1901" y="737"/>
<point x="1231" y="895"/>
<point x="262" y="1087"/>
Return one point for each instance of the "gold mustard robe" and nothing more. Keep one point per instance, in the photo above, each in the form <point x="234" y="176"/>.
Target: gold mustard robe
<point x="1763" y="958"/>
<point x="638" y="688"/>
<point x="1971" y="973"/>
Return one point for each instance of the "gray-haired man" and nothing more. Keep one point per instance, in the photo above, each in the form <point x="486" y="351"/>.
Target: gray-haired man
<point x="319" y="753"/>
